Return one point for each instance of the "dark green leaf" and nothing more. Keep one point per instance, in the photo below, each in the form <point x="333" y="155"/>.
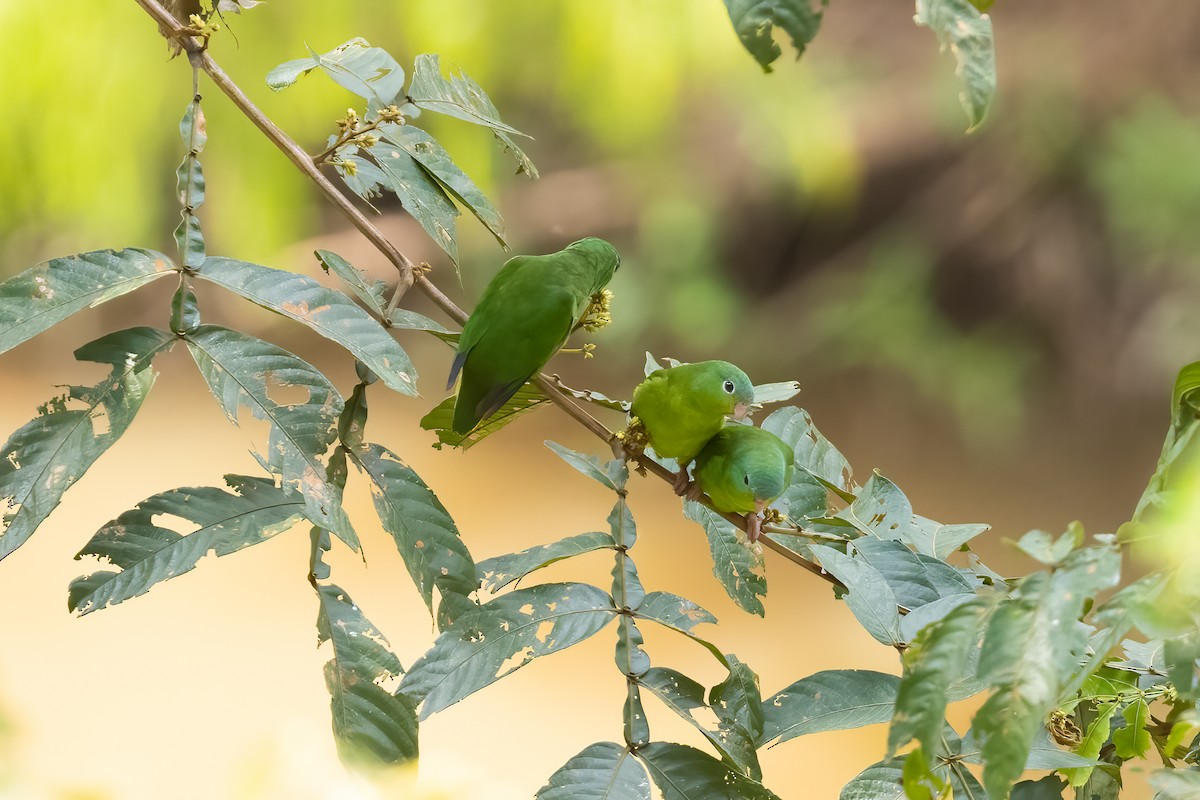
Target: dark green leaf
<point x="1048" y="788"/>
<point x="189" y="186"/>
<point x="42" y="296"/>
<point x="601" y="771"/>
<point x="740" y="717"/>
<point x="1176" y="784"/>
<point x="869" y="597"/>
<point x="367" y="71"/>
<point x="627" y="589"/>
<point x="631" y="658"/>
<point x="425" y="535"/>
<point x="681" y="615"/>
<point x="505" y="635"/>
<point x="967" y="34"/>
<point x="185" y="313"/>
<point x="421" y="195"/>
<point x="881" y="781"/>
<point x="685" y="773"/>
<point x="753" y="20"/>
<point x="589" y="465"/>
<point x="48" y="454"/>
<point x="146" y="553"/>
<point x="371" y="292"/>
<point x="1104" y="784"/>
<point x="434" y="159"/>
<point x="440" y="419"/>
<point x="834" y="700"/>
<point x="814" y="454"/>
<point x="329" y="313"/>
<point x="496" y="573"/>
<point x="737" y="567"/>
<point x="370" y="724"/>
<point x="242" y="371"/>
<point x="635" y="724"/>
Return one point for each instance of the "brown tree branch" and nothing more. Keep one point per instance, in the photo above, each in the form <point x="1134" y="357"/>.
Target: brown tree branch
<point x="195" y="47"/>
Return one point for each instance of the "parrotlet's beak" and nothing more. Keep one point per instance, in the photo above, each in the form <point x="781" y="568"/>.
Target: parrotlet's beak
<point x="741" y="410"/>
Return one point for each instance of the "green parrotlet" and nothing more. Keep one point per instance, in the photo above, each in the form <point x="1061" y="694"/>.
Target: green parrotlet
<point x="683" y="407"/>
<point x="743" y="470"/>
<point x="523" y="318"/>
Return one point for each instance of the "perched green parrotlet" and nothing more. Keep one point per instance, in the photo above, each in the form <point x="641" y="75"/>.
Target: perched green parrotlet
<point x="525" y="315"/>
<point x="683" y="407"/>
<point x="743" y="470"/>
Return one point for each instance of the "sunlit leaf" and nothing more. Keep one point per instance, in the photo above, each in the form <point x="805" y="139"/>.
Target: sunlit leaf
<point x="869" y="596"/>
<point x="329" y="313"/>
<point x="737" y="566"/>
<point x="502" y="636"/>
<point x="1095" y="739"/>
<point x="369" y="72"/>
<point x="189" y="186"/>
<point x="1176" y="784"/>
<point x="370" y="724"/>
<point x="967" y="33"/>
<point x="768" y="393"/>
<point x="440" y="420"/>
<point x="601" y="771"/>
<point x="754" y="21"/>
<point x="48" y="454"/>
<point x="828" y="701"/>
<point x="496" y="573"/>
<point x="42" y="296"/>
<point x="425" y="535"/>
<point x="242" y="372"/>
<point x="146" y="553"/>
<point x="685" y="773"/>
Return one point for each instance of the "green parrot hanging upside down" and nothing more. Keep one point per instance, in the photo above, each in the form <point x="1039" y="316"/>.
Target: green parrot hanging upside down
<point x="523" y="318"/>
<point x="683" y="407"/>
<point x="743" y="470"/>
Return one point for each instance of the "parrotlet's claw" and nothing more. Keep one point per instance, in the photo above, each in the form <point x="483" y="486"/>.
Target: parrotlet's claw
<point x="753" y="527"/>
<point x="682" y="482"/>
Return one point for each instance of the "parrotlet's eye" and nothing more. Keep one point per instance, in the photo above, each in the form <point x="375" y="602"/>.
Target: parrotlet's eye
<point x="747" y="480"/>
<point x="729" y="386"/>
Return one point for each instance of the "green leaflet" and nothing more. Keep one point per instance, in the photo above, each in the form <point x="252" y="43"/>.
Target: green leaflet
<point x="527" y="623"/>
<point x="737" y="567"/>
<point x="371" y="292"/>
<point x="967" y="33"/>
<point x="613" y="474"/>
<point x="423" y="530"/>
<point x="869" y="596"/>
<point x="146" y="553"/>
<point x="439" y="420"/>
<point x="601" y="771"/>
<point x="369" y="72"/>
<point x="371" y="725"/>
<point x="42" y="296"/>
<point x="738" y="705"/>
<point x="916" y="580"/>
<point x="685" y="773"/>
<point x="327" y="312"/>
<point x="814" y="454"/>
<point x="680" y="615"/>
<point x="833" y="700"/>
<point x="189" y="186"/>
<point x="753" y="20"/>
<point x="47" y="455"/>
<point x="243" y="371"/>
<point x="420" y="194"/>
<point x="496" y="573"/>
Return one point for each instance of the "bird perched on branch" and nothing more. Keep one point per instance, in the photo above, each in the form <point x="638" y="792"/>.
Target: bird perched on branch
<point x="523" y="318"/>
<point x="743" y="470"/>
<point x="683" y="407"/>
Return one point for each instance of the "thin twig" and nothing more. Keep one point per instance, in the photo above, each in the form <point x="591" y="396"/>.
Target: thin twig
<point x="409" y="274"/>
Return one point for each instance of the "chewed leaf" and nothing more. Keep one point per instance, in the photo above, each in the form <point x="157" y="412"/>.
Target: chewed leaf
<point x="685" y="697"/>
<point x="370" y="723"/>
<point x="42" y="296"/>
<point x="754" y="20"/>
<point x="685" y="773"/>
<point x="496" y="573"/>
<point x="440" y="419"/>
<point x="146" y="553"/>
<point x="502" y="636"/>
<point x="737" y="567"/>
<point x="331" y="314"/>
<point x="369" y="72"/>
<point x="967" y="34"/>
<point x="48" y="454"/>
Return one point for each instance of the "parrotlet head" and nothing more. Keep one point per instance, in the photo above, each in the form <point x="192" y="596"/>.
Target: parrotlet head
<point x="744" y="469"/>
<point x="601" y="256"/>
<point x="728" y="383"/>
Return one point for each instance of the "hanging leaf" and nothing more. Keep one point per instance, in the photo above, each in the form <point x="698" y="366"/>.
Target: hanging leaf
<point x="369" y="72"/>
<point x="834" y="700"/>
<point x="814" y="454"/>
<point x="607" y="475"/>
<point x="371" y="725"/>
<point x="371" y="292"/>
<point x="869" y="597"/>
<point x="146" y="553"/>
<point x="43" y="296"/>
<point x="496" y="573"/>
<point x="685" y="773"/>
<point x="48" y="454"/>
<point x="753" y="20"/>
<point x="1133" y="740"/>
<point x="421" y="195"/>
<point x="242" y="371"/>
<point x="967" y="33"/>
<point x="502" y="636"/>
<point x="425" y="535"/>
<point x="329" y="313"/>
<point x="189" y="186"/>
<point x="737" y="567"/>
<point x="440" y="419"/>
<point x="601" y="771"/>
<point x="737" y="703"/>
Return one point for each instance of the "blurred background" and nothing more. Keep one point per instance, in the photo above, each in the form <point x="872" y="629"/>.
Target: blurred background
<point x="993" y="321"/>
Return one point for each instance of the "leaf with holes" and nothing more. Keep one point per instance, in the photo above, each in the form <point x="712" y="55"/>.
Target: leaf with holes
<point x="45" y="295"/>
<point x="146" y="553"/>
<point x="47" y="455"/>
<point x="369" y="72"/>
<point x="740" y="717"/>
<point x="425" y="535"/>
<point x="880" y="509"/>
<point x="504" y="635"/>
<point x="814" y="454"/>
<point x="420" y="195"/>
<point x="680" y="615"/>
<point x="685" y="697"/>
<point x="685" y="773"/>
<point x="753" y="20"/>
<point x="440" y="419"/>
<point x="737" y="567"/>
<point x="327" y="312"/>
<point x="935" y="539"/>
<point x="242" y="371"/>
<point x="967" y="33"/>
<point x="601" y="771"/>
<point x="496" y="573"/>
<point x="869" y="596"/>
<point x="834" y="700"/>
<point x="371" y="725"/>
